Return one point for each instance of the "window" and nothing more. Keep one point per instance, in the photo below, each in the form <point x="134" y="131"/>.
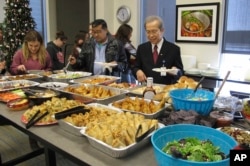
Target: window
<point x="38" y="15"/>
<point x="236" y="39"/>
<point x="237" y="27"/>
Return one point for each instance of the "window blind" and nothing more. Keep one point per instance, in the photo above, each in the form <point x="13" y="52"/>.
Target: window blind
<point x="236" y="33"/>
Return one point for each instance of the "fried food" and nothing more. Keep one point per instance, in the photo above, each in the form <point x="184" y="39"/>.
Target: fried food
<point x="122" y="85"/>
<point x="96" y="80"/>
<point x="119" y="130"/>
<point x="97" y="92"/>
<point x="139" y="105"/>
<point x="52" y="106"/>
<point x="96" y="114"/>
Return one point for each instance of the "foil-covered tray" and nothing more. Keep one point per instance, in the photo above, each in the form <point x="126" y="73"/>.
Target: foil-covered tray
<point x="141" y="109"/>
<point x="17" y="84"/>
<point x="96" y="92"/>
<point x="73" y="129"/>
<point x="97" y="80"/>
<point x="118" y="152"/>
<point x="23" y="77"/>
<point x="65" y="77"/>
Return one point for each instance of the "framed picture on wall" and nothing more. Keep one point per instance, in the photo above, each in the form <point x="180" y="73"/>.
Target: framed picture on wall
<point x="197" y="23"/>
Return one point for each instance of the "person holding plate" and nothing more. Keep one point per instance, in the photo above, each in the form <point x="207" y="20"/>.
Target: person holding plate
<point x="102" y="54"/>
<point x="157" y="53"/>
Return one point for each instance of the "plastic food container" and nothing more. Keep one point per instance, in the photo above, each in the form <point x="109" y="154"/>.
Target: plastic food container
<point x="201" y="101"/>
<point x="222" y="118"/>
<point x="179" y="131"/>
<point x="18" y="104"/>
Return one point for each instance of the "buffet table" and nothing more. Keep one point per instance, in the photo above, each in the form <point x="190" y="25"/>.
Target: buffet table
<point x="75" y="148"/>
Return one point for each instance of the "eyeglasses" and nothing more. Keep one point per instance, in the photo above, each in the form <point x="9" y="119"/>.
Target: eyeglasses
<point x="153" y="32"/>
<point x="96" y="32"/>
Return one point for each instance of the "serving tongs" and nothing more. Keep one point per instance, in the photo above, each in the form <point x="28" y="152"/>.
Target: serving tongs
<point x="37" y="93"/>
<point x="66" y="67"/>
<point x="74" y="110"/>
<point x="144" y="135"/>
<point x="34" y="119"/>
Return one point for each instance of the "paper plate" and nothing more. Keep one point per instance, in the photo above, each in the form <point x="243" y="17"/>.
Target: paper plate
<point x="172" y="71"/>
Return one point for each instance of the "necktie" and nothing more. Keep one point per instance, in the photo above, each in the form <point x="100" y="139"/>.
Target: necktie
<point x="155" y="54"/>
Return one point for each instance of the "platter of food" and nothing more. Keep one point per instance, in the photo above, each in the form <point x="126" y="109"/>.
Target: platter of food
<point x="140" y="89"/>
<point x="240" y="135"/>
<point x="54" y="85"/>
<point x="16" y="84"/>
<point x="23" y="77"/>
<point x="119" y="145"/>
<point x="18" y="104"/>
<point x="2" y="79"/>
<point x="65" y="77"/>
<point x="122" y="85"/>
<point x="93" y="112"/>
<point x="148" y="108"/>
<point x="52" y="106"/>
<point x="97" y="92"/>
<point x="98" y="79"/>
<point x="11" y="95"/>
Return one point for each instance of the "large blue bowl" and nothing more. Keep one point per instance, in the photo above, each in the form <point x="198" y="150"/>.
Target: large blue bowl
<point x="176" y="132"/>
<point x="183" y="99"/>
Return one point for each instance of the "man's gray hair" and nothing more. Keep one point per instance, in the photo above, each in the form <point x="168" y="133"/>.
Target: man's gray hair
<point x="153" y="18"/>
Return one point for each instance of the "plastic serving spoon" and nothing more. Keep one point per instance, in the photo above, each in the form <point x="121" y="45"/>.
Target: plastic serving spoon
<point x="195" y="89"/>
<point x="197" y="86"/>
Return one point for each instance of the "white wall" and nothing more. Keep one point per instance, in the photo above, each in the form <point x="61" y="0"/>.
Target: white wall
<point x="204" y="52"/>
<point x="107" y="11"/>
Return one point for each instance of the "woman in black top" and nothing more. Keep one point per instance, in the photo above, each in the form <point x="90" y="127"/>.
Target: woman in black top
<point x="124" y="34"/>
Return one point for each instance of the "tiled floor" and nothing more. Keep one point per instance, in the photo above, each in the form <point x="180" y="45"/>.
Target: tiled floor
<point x="14" y="143"/>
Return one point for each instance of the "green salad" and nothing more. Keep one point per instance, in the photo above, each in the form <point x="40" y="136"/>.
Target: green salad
<point x="194" y="149"/>
<point x="69" y="76"/>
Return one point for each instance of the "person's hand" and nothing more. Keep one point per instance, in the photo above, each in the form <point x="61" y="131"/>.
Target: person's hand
<point x="2" y="65"/>
<point x="21" y="68"/>
<point x="72" y="60"/>
<point x="113" y="64"/>
<point x="141" y="77"/>
<point x="173" y="72"/>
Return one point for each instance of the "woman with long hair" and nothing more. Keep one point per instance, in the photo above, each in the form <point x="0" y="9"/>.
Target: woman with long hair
<point x="32" y="55"/>
<point x="124" y="33"/>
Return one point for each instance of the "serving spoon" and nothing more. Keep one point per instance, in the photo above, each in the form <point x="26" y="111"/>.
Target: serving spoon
<point x="66" y="67"/>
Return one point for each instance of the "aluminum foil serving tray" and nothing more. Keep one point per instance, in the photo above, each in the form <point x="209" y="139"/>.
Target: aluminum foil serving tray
<point x="97" y="80"/>
<point x="95" y="92"/>
<point x="17" y="84"/>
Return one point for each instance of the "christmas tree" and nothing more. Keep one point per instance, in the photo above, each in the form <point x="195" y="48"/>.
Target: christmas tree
<point x="17" y="22"/>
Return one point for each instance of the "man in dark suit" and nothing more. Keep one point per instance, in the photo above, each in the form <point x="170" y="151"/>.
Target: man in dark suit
<point x="168" y="55"/>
